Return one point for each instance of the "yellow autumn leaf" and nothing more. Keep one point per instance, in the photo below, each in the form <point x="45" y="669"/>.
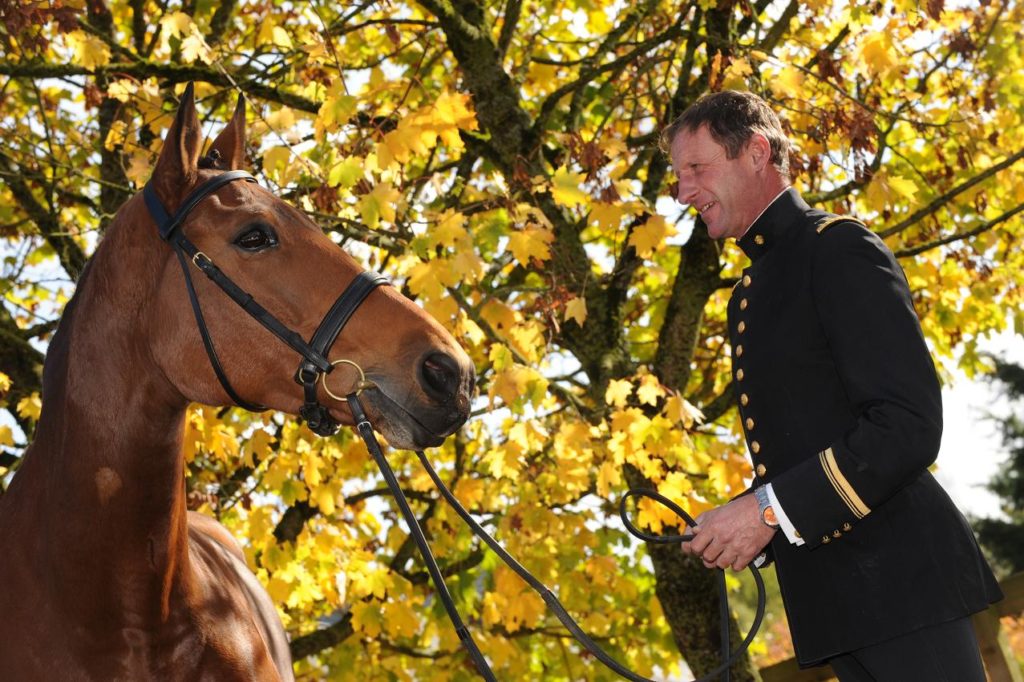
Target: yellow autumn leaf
<point x="116" y="135"/>
<point x="176" y="24"/>
<point x="194" y="47"/>
<point x="400" y="620"/>
<point x="122" y="89"/>
<point x="608" y="476"/>
<point x="90" y="51"/>
<point x="6" y="435"/>
<point x="30" y="407"/>
<point x="567" y="187"/>
<point x="379" y="205"/>
<point x="469" y="491"/>
<point x="451" y="109"/>
<point x="279" y="37"/>
<point x="448" y="230"/>
<point x="886" y="190"/>
<point x="430" y="278"/>
<point x="276" y="159"/>
<point x="346" y="173"/>
<point x="618" y="392"/>
<point x="735" y="76"/>
<point x="367" y="618"/>
<point x="5" y="383"/>
<point x="681" y="411"/>
<point x="607" y="217"/>
<point x="650" y="390"/>
<point x="787" y="82"/>
<point x="876" y="50"/>
<point x="503" y="461"/>
<point x="576" y="309"/>
<point x="335" y="112"/>
<point x="676" y="486"/>
<point x="530" y="243"/>
<point x="650" y="236"/>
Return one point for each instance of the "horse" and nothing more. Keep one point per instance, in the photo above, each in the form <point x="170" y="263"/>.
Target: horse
<point x="106" y="575"/>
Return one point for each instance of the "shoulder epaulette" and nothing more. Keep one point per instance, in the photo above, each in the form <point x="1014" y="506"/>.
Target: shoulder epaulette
<point x="832" y="220"/>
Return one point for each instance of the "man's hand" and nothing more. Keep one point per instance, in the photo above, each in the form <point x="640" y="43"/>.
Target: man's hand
<point x="731" y="535"/>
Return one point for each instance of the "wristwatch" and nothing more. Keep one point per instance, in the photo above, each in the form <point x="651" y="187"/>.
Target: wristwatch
<point x="764" y="504"/>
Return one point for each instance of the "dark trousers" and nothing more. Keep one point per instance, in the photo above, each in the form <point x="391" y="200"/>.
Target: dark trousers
<point x="947" y="652"/>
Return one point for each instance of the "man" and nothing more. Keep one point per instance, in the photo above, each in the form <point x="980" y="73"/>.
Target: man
<point x="842" y="416"/>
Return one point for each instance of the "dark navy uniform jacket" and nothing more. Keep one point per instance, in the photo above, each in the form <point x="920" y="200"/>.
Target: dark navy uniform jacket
<point x="842" y="413"/>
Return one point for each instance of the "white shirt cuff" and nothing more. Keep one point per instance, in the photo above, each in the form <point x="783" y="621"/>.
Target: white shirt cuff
<point x="787" y="526"/>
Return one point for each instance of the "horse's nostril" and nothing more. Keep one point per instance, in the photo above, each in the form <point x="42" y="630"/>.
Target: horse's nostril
<point x="440" y="376"/>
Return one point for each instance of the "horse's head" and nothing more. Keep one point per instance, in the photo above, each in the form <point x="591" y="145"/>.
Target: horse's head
<point x="422" y="380"/>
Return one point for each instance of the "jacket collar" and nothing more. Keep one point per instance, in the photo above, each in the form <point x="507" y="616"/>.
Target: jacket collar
<point x="772" y="225"/>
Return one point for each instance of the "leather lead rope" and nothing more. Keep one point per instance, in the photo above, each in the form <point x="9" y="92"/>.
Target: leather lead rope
<point x="365" y="430"/>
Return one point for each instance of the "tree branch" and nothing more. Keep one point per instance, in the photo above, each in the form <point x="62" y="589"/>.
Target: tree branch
<point x="71" y="256"/>
<point x="945" y="198"/>
<point x="171" y="73"/>
<point x="317" y="641"/>
<point x="983" y="227"/>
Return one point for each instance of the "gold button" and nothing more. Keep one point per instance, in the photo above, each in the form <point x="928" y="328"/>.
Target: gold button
<point x="825" y="539"/>
<point x="739" y="375"/>
<point x="761" y="470"/>
<point x="755" y="447"/>
<point x="739" y="351"/>
<point x="746" y="280"/>
<point x="759" y="240"/>
<point x="750" y="424"/>
<point x="741" y="327"/>
<point x="797" y="533"/>
<point x="847" y="527"/>
<point x="744" y="303"/>
<point x="744" y="399"/>
<point x="836" y="534"/>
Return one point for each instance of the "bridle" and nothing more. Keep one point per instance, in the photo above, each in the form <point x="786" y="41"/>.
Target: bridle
<point x="314" y="365"/>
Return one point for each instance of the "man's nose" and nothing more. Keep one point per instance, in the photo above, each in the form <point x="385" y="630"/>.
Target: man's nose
<point x="686" y="191"/>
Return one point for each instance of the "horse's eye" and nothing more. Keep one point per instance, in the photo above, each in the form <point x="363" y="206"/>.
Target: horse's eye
<point x="256" y="238"/>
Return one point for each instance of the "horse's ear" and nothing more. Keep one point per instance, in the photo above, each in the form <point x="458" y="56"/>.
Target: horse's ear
<point x="230" y="144"/>
<point x="177" y="166"/>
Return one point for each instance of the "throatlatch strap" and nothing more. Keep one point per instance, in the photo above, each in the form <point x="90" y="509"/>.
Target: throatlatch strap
<point x="211" y="352"/>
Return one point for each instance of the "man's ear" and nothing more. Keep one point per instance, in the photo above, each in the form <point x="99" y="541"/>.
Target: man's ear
<point x="230" y="144"/>
<point x="760" y="151"/>
<point x="177" y="167"/>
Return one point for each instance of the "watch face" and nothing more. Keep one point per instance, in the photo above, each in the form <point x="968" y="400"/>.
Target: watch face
<point x="769" y="517"/>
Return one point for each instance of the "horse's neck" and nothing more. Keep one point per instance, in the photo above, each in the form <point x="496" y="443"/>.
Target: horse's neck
<point x="103" y="485"/>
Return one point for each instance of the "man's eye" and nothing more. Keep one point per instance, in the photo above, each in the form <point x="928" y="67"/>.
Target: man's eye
<point x="256" y="239"/>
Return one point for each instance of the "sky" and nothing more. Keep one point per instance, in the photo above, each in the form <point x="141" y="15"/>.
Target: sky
<point x="971" y="450"/>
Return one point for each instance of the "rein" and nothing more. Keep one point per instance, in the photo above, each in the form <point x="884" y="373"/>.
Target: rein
<point x="314" y="365"/>
<point x="365" y="431"/>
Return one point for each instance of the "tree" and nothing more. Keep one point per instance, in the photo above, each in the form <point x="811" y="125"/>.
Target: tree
<point x="501" y="162"/>
<point x="1005" y="538"/>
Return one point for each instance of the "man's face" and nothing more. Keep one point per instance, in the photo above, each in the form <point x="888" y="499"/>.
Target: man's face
<point x="723" y="190"/>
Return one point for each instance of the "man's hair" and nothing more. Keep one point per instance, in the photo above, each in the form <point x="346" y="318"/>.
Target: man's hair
<point x="732" y="118"/>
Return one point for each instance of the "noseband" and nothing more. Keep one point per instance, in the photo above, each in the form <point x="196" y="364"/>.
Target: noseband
<point x="314" y="364"/>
